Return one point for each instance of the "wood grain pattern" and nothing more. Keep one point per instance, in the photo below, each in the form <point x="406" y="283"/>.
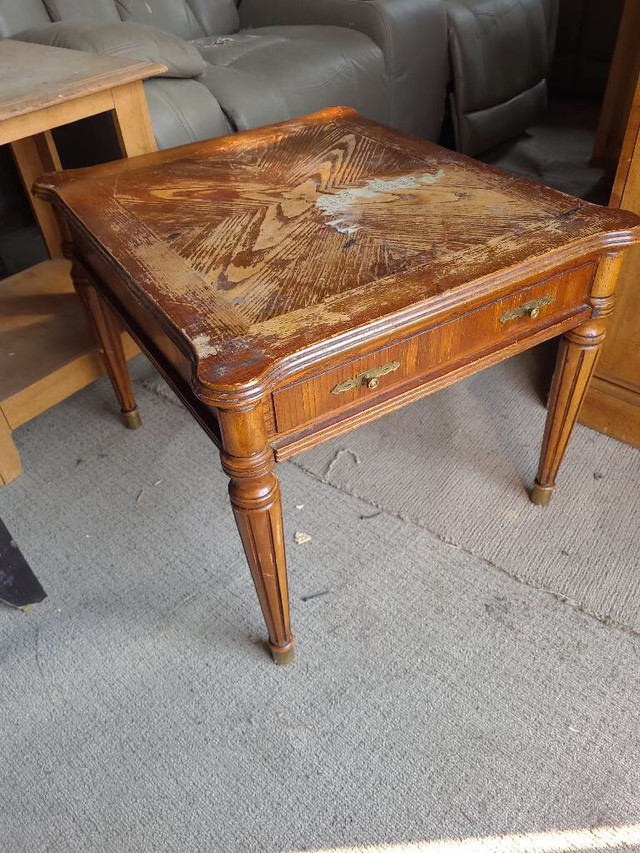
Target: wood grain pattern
<point x="240" y="253"/>
<point x="262" y="270"/>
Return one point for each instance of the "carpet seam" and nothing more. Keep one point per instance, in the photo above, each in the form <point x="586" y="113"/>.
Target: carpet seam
<point x="579" y="607"/>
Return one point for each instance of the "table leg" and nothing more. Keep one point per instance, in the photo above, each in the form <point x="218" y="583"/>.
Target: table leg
<point x="108" y="334"/>
<point x="254" y="490"/>
<point x="10" y="467"/>
<point x="35" y="155"/>
<point x="577" y="356"/>
<point x="132" y="120"/>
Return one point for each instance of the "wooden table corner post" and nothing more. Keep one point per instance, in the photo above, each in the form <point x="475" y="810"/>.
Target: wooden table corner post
<point x="577" y="358"/>
<point x="254" y="490"/>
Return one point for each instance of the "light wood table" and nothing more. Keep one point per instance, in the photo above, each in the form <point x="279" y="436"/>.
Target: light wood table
<point x="296" y="281"/>
<point x="46" y="349"/>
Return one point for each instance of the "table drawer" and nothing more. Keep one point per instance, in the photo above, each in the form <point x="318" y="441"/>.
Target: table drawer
<point x="371" y="377"/>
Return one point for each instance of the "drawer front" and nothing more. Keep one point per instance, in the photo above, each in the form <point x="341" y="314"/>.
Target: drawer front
<point x="374" y="376"/>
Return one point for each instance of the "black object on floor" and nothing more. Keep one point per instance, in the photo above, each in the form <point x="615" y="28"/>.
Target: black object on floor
<point x="18" y="584"/>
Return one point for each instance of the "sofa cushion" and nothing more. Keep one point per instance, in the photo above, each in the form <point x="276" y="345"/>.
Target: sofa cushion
<point x="15" y="17"/>
<point x="185" y="18"/>
<point x="65" y="10"/>
<point x="294" y="70"/>
<point x="120" y="39"/>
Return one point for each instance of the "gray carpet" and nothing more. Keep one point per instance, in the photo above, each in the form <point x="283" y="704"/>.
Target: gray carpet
<point x="557" y="151"/>
<point x="433" y="696"/>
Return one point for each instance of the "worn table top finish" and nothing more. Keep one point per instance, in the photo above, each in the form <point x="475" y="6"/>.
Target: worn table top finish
<point x="36" y="76"/>
<point x="262" y="247"/>
<point x="295" y="281"/>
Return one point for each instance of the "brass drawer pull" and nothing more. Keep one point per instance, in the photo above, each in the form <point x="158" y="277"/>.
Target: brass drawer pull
<point x="370" y="378"/>
<point x="527" y="309"/>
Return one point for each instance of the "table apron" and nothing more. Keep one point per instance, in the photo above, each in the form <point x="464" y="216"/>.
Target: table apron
<point x="363" y="379"/>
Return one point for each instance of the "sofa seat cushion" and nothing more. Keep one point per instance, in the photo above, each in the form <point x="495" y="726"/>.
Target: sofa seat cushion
<point x="285" y="72"/>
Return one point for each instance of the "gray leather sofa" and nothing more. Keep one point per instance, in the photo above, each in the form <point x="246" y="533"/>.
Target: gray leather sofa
<point x="236" y="66"/>
<point x="500" y="54"/>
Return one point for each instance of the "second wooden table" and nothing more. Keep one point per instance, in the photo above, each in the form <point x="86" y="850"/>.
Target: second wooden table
<point x="46" y="350"/>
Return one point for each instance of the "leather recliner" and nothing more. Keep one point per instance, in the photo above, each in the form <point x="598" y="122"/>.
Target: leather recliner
<point x="500" y="52"/>
<point x="236" y="66"/>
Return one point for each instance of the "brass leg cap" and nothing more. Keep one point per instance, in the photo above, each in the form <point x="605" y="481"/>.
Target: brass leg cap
<point x="282" y="655"/>
<point x="132" y="419"/>
<point x="541" y="495"/>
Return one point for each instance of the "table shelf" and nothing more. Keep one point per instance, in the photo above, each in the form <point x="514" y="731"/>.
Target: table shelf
<point x="47" y="350"/>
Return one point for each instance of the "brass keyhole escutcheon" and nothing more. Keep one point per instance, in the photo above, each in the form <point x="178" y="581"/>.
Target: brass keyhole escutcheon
<point x="372" y="384"/>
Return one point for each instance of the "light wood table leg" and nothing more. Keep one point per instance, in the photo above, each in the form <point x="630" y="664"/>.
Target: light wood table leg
<point x="577" y="357"/>
<point x="35" y="155"/>
<point x="10" y="466"/>
<point x="132" y="120"/>
<point x="108" y="333"/>
<point x="255" y="498"/>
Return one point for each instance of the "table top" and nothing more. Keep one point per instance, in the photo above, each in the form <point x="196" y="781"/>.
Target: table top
<point x="263" y="251"/>
<point x="35" y="76"/>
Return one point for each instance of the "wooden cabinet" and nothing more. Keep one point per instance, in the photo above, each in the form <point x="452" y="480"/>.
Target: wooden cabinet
<point x="612" y="404"/>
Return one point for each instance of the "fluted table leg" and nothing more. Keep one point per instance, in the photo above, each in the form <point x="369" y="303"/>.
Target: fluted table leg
<point x="577" y="357"/>
<point x="255" y="498"/>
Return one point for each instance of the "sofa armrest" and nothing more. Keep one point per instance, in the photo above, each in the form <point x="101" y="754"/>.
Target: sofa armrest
<point x="411" y="33"/>
<point x="121" y="39"/>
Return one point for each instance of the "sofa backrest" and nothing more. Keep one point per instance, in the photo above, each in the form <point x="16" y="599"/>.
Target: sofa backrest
<point x="15" y="17"/>
<point x="186" y="18"/>
<point x="64" y="10"/>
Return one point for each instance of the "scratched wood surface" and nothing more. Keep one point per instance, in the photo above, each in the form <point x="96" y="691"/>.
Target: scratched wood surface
<point x="70" y="74"/>
<point x="265" y="248"/>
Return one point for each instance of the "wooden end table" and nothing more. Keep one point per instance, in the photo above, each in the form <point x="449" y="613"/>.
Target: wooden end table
<point x="46" y="350"/>
<point x="296" y="281"/>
